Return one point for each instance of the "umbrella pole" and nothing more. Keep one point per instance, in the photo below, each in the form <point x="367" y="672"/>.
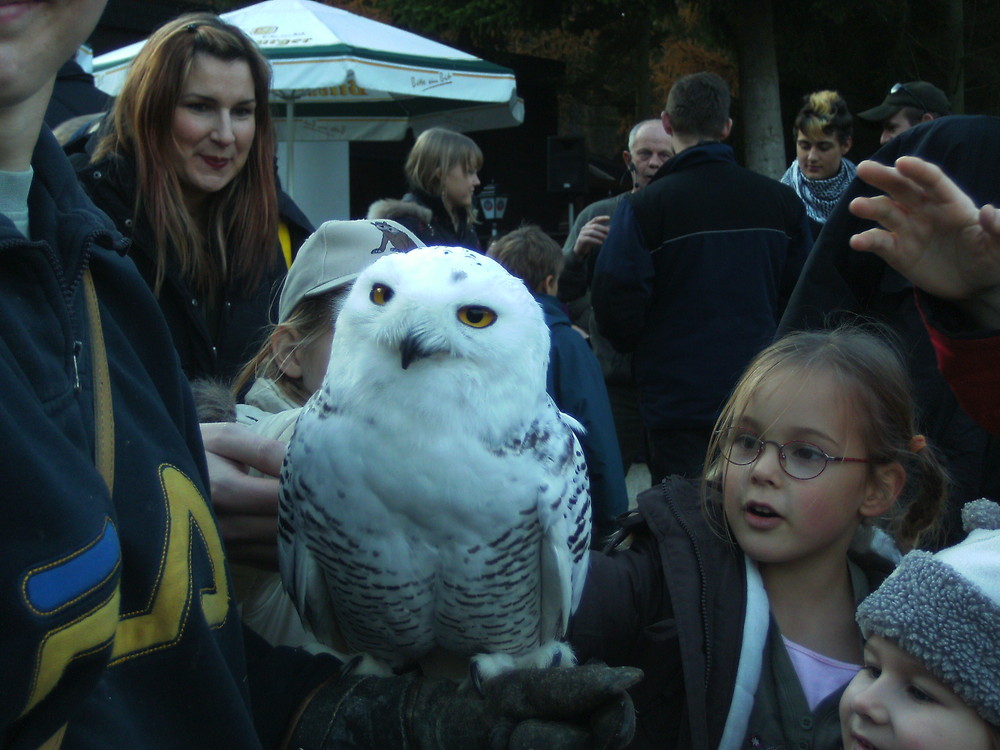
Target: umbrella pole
<point x="290" y="144"/>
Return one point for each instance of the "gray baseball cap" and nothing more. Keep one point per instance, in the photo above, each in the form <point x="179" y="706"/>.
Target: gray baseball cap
<point x="336" y="253"/>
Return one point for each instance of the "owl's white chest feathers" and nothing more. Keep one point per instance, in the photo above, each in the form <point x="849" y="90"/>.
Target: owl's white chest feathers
<point x="443" y="474"/>
<point x="433" y="538"/>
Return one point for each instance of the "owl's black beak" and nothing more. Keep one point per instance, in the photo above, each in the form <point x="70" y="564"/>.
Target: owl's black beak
<point x="418" y="345"/>
<point x="410" y="349"/>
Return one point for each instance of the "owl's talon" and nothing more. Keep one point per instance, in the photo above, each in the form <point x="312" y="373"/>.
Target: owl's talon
<point x="351" y="665"/>
<point x="476" y="679"/>
<point x="365" y="665"/>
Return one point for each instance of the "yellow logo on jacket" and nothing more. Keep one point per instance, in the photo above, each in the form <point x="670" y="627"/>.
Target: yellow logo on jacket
<point x="168" y="608"/>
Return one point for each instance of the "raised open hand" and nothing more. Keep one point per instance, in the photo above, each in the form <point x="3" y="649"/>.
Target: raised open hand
<point x="933" y="234"/>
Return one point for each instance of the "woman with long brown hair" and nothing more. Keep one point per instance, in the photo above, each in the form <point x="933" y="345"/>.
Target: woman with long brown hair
<point x="184" y="165"/>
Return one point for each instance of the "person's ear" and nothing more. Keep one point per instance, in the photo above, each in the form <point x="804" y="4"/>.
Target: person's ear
<point x="550" y="286"/>
<point x="665" y="118"/>
<point x="728" y="127"/>
<point x="846" y="146"/>
<point x="285" y="348"/>
<point x="884" y="486"/>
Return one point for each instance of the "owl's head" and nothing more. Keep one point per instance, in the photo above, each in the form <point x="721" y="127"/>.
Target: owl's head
<point x="441" y="311"/>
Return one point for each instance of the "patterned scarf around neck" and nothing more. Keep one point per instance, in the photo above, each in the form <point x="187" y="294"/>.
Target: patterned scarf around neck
<point x="820" y="196"/>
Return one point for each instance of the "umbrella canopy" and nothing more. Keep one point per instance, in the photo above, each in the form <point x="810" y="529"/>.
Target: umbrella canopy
<point x="339" y="76"/>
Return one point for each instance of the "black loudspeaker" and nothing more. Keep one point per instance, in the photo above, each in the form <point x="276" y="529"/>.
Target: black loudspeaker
<point x="567" y="164"/>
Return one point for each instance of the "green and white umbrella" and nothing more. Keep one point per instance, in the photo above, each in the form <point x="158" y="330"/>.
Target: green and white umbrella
<point x="339" y="76"/>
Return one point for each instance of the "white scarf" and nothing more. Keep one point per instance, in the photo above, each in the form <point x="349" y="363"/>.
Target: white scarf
<point x="820" y="196"/>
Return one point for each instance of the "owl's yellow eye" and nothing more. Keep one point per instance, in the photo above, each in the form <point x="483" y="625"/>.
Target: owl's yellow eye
<point x="380" y="294"/>
<point x="476" y="316"/>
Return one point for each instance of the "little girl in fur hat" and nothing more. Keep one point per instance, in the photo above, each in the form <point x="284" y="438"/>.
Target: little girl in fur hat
<point x="931" y="677"/>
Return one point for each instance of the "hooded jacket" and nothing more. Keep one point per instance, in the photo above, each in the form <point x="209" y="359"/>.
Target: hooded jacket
<point x="425" y="216"/>
<point x="688" y="607"/>
<point x="839" y="284"/>
<point x="115" y="603"/>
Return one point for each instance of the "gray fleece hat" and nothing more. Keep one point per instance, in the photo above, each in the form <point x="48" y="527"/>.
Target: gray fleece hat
<point x="336" y="253"/>
<point x="944" y="609"/>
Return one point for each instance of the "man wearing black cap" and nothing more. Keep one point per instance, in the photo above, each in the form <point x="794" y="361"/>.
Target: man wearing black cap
<point x="906" y="105"/>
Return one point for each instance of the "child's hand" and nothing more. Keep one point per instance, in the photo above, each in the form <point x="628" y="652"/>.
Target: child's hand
<point x="246" y="506"/>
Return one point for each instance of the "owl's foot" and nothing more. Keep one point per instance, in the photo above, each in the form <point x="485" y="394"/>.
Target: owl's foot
<point x="365" y="665"/>
<point x="483" y="667"/>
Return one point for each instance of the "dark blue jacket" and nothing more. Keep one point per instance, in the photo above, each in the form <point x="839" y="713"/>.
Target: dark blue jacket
<point x="115" y="606"/>
<point x="575" y="383"/>
<point x="693" y="278"/>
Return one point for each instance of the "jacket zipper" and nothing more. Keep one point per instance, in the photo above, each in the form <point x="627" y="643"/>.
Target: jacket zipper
<point x="701" y="573"/>
<point x="68" y="290"/>
<point x="77" y="349"/>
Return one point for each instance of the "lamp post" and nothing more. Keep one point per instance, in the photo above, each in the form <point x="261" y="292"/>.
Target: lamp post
<point x="493" y="204"/>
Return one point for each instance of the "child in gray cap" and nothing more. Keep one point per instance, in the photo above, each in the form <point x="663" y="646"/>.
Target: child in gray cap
<point x="289" y="368"/>
<point x="931" y="677"/>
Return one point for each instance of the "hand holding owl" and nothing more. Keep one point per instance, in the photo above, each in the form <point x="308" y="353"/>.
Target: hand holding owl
<point x="556" y="709"/>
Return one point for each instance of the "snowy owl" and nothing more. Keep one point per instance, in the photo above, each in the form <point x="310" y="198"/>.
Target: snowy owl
<point x="433" y="496"/>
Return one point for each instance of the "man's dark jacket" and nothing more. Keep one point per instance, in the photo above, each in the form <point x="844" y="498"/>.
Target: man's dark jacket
<point x="694" y="276"/>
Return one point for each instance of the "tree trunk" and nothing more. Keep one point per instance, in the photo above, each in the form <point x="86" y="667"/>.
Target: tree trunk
<point x="643" y="84"/>
<point x="761" y="104"/>
<point x="954" y="35"/>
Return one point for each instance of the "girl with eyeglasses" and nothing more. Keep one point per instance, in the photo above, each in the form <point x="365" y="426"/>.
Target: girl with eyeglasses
<point x="736" y="596"/>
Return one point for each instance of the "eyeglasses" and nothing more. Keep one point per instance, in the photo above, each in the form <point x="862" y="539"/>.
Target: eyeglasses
<point x="798" y="459"/>
<point x="897" y="87"/>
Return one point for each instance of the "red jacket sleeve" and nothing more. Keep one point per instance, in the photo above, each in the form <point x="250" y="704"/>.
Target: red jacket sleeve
<point x="971" y="365"/>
